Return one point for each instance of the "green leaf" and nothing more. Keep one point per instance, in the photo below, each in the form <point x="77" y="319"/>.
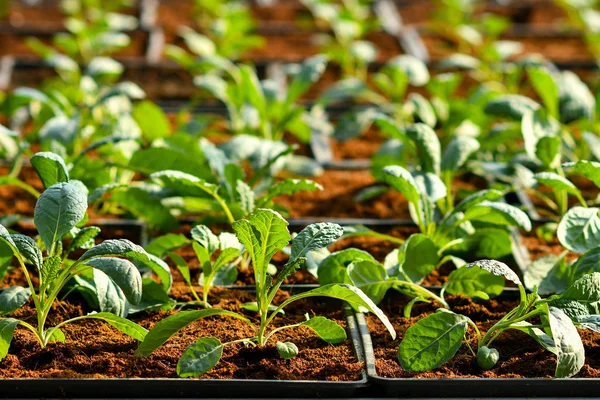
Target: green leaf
<point x="29" y="249"/>
<point x="123" y="273"/>
<point x="199" y="357"/>
<point x="156" y="159"/>
<point x="536" y="125"/>
<point x="263" y="234"/>
<point x="116" y="248"/>
<point x="432" y="341"/>
<point x="144" y="205"/>
<point x="571" y="354"/>
<point x="548" y="274"/>
<point x="412" y="67"/>
<point x="468" y="281"/>
<point x="58" y="210"/>
<point x="205" y="238"/>
<point x="57" y="336"/>
<point x="225" y="257"/>
<point x="498" y="213"/>
<point x="152" y="120"/>
<point x="183" y="184"/>
<point x="333" y="268"/>
<point x="286" y="350"/>
<point x="60" y="129"/>
<point x="510" y="106"/>
<point x="585" y="289"/>
<point x="163" y="244"/>
<point x="124" y="325"/>
<point x="7" y="329"/>
<point x="402" y="180"/>
<point x="167" y="327"/>
<point x="423" y="109"/>
<point x="557" y="182"/>
<point x="418" y="257"/>
<point x="589" y="169"/>
<point x="347" y="293"/>
<point x="476" y="198"/>
<point x="13" y="298"/>
<point x="314" y="237"/>
<point x="576" y="99"/>
<point x="326" y="329"/>
<point x="579" y="229"/>
<point x="497" y="268"/>
<point x="457" y="152"/>
<point x="154" y="298"/>
<point x="549" y="150"/>
<point x="546" y="87"/>
<point x="428" y="146"/>
<point x="289" y="187"/>
<point x="310" y="72"/>
<point x="370" y="277"/>
<point x="109" y="296"/>
<point x="83" y="238"/>
<point x="50" y="168"/>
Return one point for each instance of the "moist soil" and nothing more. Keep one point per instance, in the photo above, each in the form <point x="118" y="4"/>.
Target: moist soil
<point x="520" y="355"/>
<point x="94" y="349"/>
<point x="340" y="188"/>
<point x="539" y="247"/>
<point x="16" y="200"/>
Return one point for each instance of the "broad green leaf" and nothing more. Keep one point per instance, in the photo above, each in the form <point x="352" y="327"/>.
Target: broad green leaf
<point x="571" y="354"/>
<point x="7" y="329"/>
<point x="468" y="281"/>
<point x="457" y="152"/>
<point x="116" y="248"/>
<point x="536" y="125"/>
<point x="161" y="245"/>
<point x="50" y="168"/>
<point x="370" y="277"/>
<point x="557" y="182"/>
<point x="247" y="197"/>
<point x="58" y="210"/>
<point x="579" y="229"/>
<point x="402" y="180"/>
<point x="497" y="268"/>
<point x="346" y="293"/>
<point x="225" y="257"/>
<point x="326" y="329"/>
<point x="28" y="249"/>
<point x="432" y="341"/>
<point x="586" y="264"/>
<point x="124" y="325"/>
<point x="13" y="298"/>
<point x="167" y="327"/>
<point x="123" y="273"/>
<point x="418" y="257"/>
<point x="156" y="159"/>
<point x="310" y="72"/>
<point x="428" y="145"/>
<point x="498" y="213"/>
<point x="84" y="238"/>
<point x="154" y="298"/>
<point x="478" y="197"/>
<point x="548" y="274"/>
<point x="549" y="150"/>
<point x="145" y="206"/>
<point x="576" y="100"/>
<point x="183" y="184"/>
<point x="286" y="350"/>
<point x="423" y="109"/>
<point x="109" y="296"/>
<point x="152" y="120"/>
<point x="591" y="322"/>
<point x="415" y="69"/>
<point x="57" y="336"/>
<point x="585" y="289"/>
<point x="510" y="106"/>
<point x="314" y="237"/>
<point x="60" y="129"/>
<point x="263" y="234"/>
<point x="205" y="237"/>
<point x="289" y="187"/>
<point x="589" y="169"/>
<point x="199" y="357"/>
<point x="546" y="87"/>
<point x="333" y="268"/>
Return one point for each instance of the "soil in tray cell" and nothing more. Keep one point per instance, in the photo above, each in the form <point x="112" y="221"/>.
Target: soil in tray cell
<point x="520" y="355"/>
<point x="96" y="350"/>
<point x="538" y="247"/>
<point x="337" y="199"/>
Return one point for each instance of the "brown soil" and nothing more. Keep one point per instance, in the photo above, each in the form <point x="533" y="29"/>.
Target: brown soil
<point x="364" y="146"/>
<point x="16" y="200"/>
<point x="96" y="350"/>
<point x="520" y="355"/>
<point x="539" y="247"/>
<point x="337" y="199"/>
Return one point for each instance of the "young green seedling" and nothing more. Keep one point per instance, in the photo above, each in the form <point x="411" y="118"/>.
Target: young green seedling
<point x="58" y="210"/>
<point x="219" y="257"/>
<point x="551" y="322"/>
<point x="263" y="234"/>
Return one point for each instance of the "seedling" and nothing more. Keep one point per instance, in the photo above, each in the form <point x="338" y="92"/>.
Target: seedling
<point x="263" y="234"/>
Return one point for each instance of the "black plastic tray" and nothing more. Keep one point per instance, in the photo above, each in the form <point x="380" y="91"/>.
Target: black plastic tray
<point x="191" y="388"/>
<point x="471" y="387"/>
